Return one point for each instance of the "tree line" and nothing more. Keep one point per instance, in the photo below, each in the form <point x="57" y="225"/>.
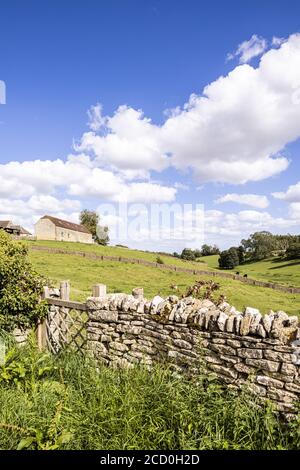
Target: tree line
<point x="259" y="246"/>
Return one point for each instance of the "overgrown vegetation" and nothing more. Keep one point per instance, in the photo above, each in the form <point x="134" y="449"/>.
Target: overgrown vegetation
<point x="205" y="290"/>
<point x="65" y="403"/>
<point x="20" y="286"/>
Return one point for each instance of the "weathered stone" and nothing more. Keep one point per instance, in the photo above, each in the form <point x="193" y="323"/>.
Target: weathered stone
<point x="224" y="306"/>
<point x="263" y="364"/>
<point x="221" y="321"/>
<point x="214" y="359"/>
<point x="233" y="343"/>
<point x="269" y="382"/>
<point x="250" y="353"/>
<point x="288" y="369"/>
<point x="256" y="389"/>
<point x="267" y="321"/>
<point x="230" y="324"/>
<point x="223" y="349"/>
<point x="106" y="316"/>
<point x="231" y="359"/>
<point x="261" y="331"/>
<point x="282" y="395"/>
<point x="246" y="322"/>
<point x="118" y="346"/>
<point x="277" y="325"/>
<point x="218" y="340"/>
<point x="228" y="372"/>
<point x="237" y="322"/>
<point x="277" y="356"/>
<point x="292" y="387"/>
<point x="182" y="344"/>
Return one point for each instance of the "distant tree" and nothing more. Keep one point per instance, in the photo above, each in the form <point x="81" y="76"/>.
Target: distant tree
<point x="208" y="250"/>
<point x="241" y="254"/>
<point x="197" y="253"/>
<point x="260" y="245"/>
<point x="293" y="251"/>
<point x="188" y="254"/>
<point x="91" y="220"/>
<point x="229" y="259"/>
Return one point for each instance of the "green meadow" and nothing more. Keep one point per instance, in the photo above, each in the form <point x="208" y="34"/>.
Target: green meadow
<point x="274" y="270"/>
<point x="83" y="273"/>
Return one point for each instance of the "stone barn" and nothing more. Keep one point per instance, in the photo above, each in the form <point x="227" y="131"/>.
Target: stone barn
<point x="15" y="230"/>
<point x="51" y="228"/>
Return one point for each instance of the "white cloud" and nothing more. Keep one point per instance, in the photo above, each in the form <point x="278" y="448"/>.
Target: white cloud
<point x="96" y="120"/>
<point x="183" y="187"/>
<point x="76" y="177"/>
<point x="294" y="211"/>
<point x="291" y="195"/>
<point x="244" y="222"/>
<point x="27" y="212"/>
<point x="276" y="41"/>
<point x="253" y="200"/>
<point x="131" y="142"/>
<point x="234" y="132"/>
<point x="247" y="50"/>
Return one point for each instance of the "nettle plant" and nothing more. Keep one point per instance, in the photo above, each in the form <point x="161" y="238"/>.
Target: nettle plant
<point x="20" y="287"/>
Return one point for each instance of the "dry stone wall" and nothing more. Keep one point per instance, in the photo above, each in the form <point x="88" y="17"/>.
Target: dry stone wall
<point x="241" y="348"/>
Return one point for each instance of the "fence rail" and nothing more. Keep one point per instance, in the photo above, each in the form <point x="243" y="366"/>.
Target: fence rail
<point x="65" y="324"/>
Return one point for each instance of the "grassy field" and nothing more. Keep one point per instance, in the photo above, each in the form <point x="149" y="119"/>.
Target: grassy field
<point x="274" y="270"/>
<point x="122" y="277"/>
<point x="118" y="251"/>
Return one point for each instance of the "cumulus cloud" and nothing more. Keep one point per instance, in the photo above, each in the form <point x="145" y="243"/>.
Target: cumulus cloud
<point x="234" y="132"/>
<point x="276" y="41"/>
<point x="291" y="195"/>
<point x="247" y="50"/>
<point x="79" y="178"/>
<point x="253" y="200"/>
<point x="96" y="120"/>
<point x="294" y="211"/>
<point x="27" y="212"/>
<point x="244" y="222"/>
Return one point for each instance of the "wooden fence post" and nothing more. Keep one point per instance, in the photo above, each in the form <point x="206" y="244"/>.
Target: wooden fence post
<point x="99" y="290"/>
<point x="65" y="290"/>
<point x="41" y="327"/>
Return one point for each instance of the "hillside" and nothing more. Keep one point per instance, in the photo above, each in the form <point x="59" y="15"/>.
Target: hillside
<point x="274" y="270"/>
<point x="84" y="272"/>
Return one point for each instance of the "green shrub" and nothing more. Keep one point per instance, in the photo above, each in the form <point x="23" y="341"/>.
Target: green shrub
<point x="20" y="286"/>
<point x="293" y="251"/>
<point x="159" y="260"/>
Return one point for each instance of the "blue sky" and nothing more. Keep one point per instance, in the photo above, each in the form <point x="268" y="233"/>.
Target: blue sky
<point x="130" y="62"/>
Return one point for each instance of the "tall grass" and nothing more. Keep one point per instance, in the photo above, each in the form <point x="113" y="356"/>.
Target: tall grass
<point x="68" y="403"/>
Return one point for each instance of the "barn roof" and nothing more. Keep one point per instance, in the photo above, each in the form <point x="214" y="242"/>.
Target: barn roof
<point x="5" y="223"/>
<point x="67" y="225"/>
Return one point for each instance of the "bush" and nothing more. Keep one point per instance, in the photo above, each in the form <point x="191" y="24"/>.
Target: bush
<point x="159" y="260"/>
<point x="20" y="287"/>
<point x="293" y="251"/>
<point x="188" y="254"/>
<point x="229" y="259"/>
